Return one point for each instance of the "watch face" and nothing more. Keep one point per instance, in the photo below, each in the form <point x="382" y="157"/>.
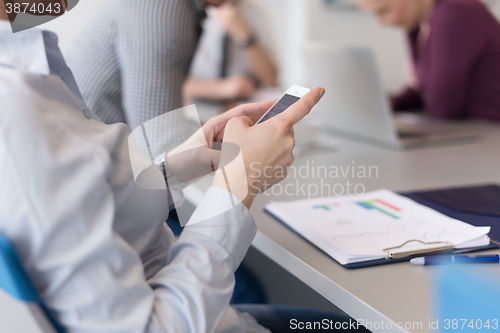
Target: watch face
<point x="160" y="159"/>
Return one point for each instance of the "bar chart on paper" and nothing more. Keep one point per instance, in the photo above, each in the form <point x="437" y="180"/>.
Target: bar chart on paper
<point x="359" y="228"/>
<point x="376" y="204"/>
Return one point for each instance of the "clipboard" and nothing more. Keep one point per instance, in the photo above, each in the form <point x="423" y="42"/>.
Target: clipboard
<point x="436" y="247"/>
<point x="473" y="218"/>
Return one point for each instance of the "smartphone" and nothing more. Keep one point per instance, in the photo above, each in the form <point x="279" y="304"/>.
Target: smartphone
<point x="292" y="95"/>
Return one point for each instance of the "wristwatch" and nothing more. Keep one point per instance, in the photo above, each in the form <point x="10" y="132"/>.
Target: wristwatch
<point x="170" y="178"/>
<point x="160" y="163"/>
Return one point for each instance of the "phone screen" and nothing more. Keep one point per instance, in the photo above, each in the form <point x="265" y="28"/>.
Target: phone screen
<point x="284" y="103"/>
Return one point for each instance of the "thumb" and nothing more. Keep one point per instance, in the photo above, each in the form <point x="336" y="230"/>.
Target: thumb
<point x="238" y="124"/>
<point x="235" y="127"/>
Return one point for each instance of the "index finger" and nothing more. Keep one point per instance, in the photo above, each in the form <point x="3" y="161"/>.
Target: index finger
<point x="301" y="108"/>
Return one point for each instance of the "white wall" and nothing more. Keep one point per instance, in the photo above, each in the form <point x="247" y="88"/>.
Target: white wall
<point x="289" y="24"/>
<point x="494" y="6"/>
<point x="356" y="27"/>
<point x="70" y="25"/>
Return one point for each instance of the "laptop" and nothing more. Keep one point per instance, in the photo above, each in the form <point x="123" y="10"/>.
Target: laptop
<point x="356" y="106"/>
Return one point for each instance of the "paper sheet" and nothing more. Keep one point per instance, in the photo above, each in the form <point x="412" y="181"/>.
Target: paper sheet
<point x="358" y="228"/>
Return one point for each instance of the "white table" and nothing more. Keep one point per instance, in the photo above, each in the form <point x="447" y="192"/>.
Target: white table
<point x="390" y="293"/>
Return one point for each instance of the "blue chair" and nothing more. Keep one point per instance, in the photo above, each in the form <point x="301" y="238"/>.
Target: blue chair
<point x="467" y="298"/>
<point x="21" y="307"/>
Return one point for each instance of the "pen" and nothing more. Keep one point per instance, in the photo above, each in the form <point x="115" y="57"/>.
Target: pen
<point x="448" y="260"/>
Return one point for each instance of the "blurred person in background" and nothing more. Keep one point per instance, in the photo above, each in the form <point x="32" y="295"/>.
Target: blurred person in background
<point x="455" y="51"/>
<point x="234" y="55"/>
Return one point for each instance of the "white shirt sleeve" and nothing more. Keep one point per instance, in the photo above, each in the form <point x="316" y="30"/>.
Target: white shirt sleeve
<point x="197" y="284"/>
<point x="64" y="198"/>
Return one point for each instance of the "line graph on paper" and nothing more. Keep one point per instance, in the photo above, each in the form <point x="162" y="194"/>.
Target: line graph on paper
<point x="365" y="225"/>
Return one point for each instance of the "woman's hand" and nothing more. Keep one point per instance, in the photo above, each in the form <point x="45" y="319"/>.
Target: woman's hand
<point x="254" y="158"/>
<point x="266" y="149"/>
<point x="233" y="22"/>
<point x="200" y="154"/>
<point x="237" y="87"/>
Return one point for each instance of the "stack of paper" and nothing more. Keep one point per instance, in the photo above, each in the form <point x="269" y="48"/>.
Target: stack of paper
<point x="358" y="228"/>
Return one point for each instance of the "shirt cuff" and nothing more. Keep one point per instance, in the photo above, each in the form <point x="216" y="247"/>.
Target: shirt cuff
<point x="224" y="218"/>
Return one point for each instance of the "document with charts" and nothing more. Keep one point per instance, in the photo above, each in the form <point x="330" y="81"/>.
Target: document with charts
<point x="358" y="228"/>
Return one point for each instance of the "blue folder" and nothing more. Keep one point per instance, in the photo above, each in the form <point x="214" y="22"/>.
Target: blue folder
<point x="476" y="205"/>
